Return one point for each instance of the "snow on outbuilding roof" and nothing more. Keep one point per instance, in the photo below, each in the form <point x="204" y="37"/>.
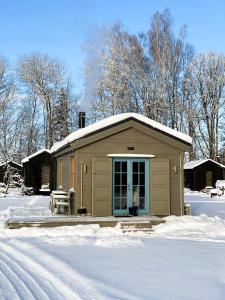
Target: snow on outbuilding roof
<point x="12" y="161"/>
<point x="195" y="163"/>
<point x="80" y="133"/>
<point x="26" y="159"/>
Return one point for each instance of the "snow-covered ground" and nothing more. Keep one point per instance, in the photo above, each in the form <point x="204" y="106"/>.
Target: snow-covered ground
<point x="203" y="204"/>
<point x="183" y="259"/>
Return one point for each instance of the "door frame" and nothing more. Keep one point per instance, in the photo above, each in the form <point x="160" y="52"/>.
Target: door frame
<point x="129" y="161"/>
<point x="207" y="172"/>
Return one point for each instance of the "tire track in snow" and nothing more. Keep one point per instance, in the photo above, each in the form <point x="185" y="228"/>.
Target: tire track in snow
<point x="82" y="286"/>
<point x="63" y="284"/>
<point x="86" y="287"/>
<point x="7" y="290"/>
<point x="18" y="287"/>
<point x="25" y="277"/>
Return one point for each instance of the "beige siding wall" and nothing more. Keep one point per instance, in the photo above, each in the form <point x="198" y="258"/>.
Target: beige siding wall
<point x="160" y="187"/>
<point x="57" y="173"/>
<point x="144" y="141"/>
<point x="63" y="175"/>
<point x="101" y="186"/>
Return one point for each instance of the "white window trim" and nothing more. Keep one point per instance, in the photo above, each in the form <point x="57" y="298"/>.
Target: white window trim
<point x="131" y="155"/>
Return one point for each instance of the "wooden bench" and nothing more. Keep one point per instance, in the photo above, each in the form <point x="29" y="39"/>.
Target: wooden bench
<point x="61" y="200"/>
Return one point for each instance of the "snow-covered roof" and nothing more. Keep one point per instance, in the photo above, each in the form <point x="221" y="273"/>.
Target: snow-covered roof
<point x="26" y="159"/>
<point x="195" y="163"/>
<point x="12" y="161"/>
<point x="80" y="133"/>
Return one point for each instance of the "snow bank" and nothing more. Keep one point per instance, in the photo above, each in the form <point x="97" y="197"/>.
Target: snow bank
<point x="201" y="228"/>
<point x="79" y="235"/>
<point x="14" y="198"/>
<point x="220" y="184"/>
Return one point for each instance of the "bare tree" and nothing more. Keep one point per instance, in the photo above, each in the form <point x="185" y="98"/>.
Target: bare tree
<point x="208" y="81"/>
<point x="44" y="77"/>
<point x="8" y="118"/>
<point x="141" y="73"/>
<point x="122" y="81"/>
<point x="188" y="110"/>
<point x="167" y="53"/>
<point x="30" y="135"/>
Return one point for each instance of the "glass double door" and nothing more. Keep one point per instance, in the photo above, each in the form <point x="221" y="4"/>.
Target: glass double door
<point x="130" y="185"/>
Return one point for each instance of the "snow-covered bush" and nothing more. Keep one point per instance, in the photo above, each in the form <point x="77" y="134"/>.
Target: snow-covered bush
<point x="27" y="190"/>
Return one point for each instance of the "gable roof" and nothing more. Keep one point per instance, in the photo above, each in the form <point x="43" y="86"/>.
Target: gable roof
<point x="26" y="159"/>
<point x="113" y="120"/>
<point x="11" y="161"/>
<point x="195" y="163"/>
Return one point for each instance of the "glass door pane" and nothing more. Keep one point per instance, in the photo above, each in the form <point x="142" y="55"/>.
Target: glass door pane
<point x="138" y="184"/>
<point x="120" y="186"/>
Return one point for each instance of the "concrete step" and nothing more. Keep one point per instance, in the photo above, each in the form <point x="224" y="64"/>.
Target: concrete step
<point x="135" y="224"/>
<point x="147" y="230"/>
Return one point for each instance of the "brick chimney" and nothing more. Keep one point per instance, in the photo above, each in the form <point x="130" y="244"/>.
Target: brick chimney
<point x="82" y="119"/>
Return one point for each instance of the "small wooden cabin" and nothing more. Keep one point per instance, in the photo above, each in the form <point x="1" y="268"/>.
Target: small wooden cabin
<point x="124" y="161"/>
<point x="16" y="168"/>
<point x="201" y="173"/>
<point x="39" y="170"/>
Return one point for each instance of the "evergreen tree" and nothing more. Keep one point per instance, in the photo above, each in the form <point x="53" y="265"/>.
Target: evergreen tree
<point x="61" y="116"/>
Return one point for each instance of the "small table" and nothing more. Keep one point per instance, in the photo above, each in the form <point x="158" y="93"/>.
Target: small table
<point x="59" y="193"/>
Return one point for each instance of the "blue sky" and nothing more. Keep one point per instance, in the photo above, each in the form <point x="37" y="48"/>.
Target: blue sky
<point x="61" y="27"/>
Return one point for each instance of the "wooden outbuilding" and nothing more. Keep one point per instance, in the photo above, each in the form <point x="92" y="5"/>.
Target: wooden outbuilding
<point x="201" y="173"/>
<point x="121" y="163"/>
<point x="39" y="170"/>
<point x="15" y="168"/>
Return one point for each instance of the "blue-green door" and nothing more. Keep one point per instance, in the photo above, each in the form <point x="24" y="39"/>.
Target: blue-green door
<point x="130" y="185"/>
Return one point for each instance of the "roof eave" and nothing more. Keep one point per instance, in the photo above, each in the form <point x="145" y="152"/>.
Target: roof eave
<point x="27" y="159"/>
